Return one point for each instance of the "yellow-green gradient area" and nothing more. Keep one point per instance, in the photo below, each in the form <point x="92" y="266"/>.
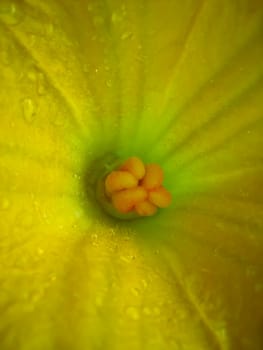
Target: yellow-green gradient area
<point x="84" y="83"/>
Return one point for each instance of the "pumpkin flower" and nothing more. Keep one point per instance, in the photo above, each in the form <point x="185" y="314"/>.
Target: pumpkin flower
<point x="131" y="212"/>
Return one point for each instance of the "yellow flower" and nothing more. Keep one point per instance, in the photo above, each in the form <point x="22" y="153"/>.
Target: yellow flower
<point x="85" y="83"/>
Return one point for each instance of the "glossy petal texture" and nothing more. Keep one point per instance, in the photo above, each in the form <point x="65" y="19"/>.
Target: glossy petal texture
<point x="178" y="83"/>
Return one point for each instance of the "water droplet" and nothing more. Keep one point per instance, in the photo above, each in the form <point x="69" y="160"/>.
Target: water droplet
<point x="40" y="251"/>
<point x="5" y="204"/>
<point x="126" y="35"/>
<point x="144" y="284"/>
<point x="58" y="120"/>
<point x="35" y="297"/>
<point x="109" y="83"/>
<point x="124" y="11"/>
<point x="49" y="29"/>
<point x="94" y="240"/>
<point x="29" y="110"/>
<point x="10" y="13"/>
<point x="146" y="311"/>
<point x="41" y="84"/>
<point x="94" y="236"/>
<point x="90" y="7"/>
<point x="98" y="301"/>
<point x="39" y="79"/>
<point x="221" y="332"/>
<point x="53" y="277"/>
<point x="135" y="292"/>
<point x="133" y="313"/>
<point x="32" y="75"/>
<point x="127" y="258"/>
<point x="76" y="176"/>
<point x="115" y="17"/>
<point x="32" y="40"/>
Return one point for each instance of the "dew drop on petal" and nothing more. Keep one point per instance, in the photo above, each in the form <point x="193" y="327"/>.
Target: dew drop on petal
<point x="58" y="120"/>
<point x="32" y="40"/>
<point x="32" y="75"/>
<point x="133" y="313"/>
<point x="94" y="240"/>
<point x="135" y="291"/>
<point x="5" y="204"/>
<point x="123" y="10"/>
<point x="10" y="13"/>
<point x="126" y="35"/>
<point x="41" y="84"/>
<point x="53" y="277"/>
<point x="29" y="110"/>
<point x="115" y="17"/>
<point x="40" y="251"/>
<point x="109" y="83"/>
<point x="144" y="284"/>
<point x="38" y="78"/>
<point x="221" y="332"/>
<point x="90" y="7"/>
<point x="127" y="258"/>
<point x="146" y="311"/>
<point x="99" y="301"/>
<point x="49" y="29"/>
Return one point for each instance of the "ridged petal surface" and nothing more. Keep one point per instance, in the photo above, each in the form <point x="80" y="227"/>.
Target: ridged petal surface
<point x="173" y="82"/>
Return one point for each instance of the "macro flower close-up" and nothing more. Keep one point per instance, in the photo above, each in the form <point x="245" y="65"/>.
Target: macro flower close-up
<point x="131" y="175"/>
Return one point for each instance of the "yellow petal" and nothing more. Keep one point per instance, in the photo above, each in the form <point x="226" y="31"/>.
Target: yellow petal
<point x="178" y="83"/>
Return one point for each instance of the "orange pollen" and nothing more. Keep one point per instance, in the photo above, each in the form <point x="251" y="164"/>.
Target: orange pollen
<point x="119" y="180"/>
<point x="145" y="208"/>
<point x="135" y="166"/>
<point x="160" y="197"/>
<point x="153" y="177"/>
<point x="135" y="187"/>
<point x="125" y="201"/>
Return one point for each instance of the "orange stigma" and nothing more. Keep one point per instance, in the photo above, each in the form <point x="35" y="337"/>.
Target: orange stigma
<point x="136" y="187"/>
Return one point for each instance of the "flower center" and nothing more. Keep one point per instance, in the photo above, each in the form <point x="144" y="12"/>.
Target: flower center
<point x="134" y="189"/>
